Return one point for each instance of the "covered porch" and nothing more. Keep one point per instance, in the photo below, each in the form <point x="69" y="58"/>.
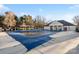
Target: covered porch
<point x="56" y="26"/>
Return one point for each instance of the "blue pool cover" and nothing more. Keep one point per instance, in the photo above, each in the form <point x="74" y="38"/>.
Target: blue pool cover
<point x="28" y="42"/>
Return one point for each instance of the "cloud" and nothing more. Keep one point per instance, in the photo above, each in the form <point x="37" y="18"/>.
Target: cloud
<point x="74" y="6"/>
<point x="4" y="8"/>
<point x="1" y="6"/>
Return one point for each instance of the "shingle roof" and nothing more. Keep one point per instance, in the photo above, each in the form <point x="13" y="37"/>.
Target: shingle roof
<point x="65" y="23"/>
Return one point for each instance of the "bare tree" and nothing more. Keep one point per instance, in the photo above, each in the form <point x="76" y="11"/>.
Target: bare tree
<point x="76" y="20"/>
<point x="9" y="20"/>
<point x="39" y="22"/>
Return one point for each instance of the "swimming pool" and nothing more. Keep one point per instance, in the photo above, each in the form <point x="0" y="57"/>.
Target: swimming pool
<point x="31" y="39"/>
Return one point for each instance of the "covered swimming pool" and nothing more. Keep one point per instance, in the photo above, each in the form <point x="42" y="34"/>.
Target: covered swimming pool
<point x="31" y="39"/>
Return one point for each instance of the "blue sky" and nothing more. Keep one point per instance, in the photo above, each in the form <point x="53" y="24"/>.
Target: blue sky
<point x="49" y="11"/>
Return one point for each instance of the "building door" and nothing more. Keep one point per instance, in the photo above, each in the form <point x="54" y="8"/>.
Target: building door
<point x="65" y="28"/>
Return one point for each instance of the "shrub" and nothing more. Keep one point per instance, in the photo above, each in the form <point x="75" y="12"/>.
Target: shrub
<point x="24" y="28"/>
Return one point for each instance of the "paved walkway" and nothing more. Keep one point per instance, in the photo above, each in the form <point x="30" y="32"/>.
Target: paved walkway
<point x="63" y="42"/>
<point x="10" y="45"/>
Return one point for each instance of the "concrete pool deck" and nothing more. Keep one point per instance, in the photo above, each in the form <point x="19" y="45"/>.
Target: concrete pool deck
<point x="61" y="42"/>
<point x="10" y="45"/>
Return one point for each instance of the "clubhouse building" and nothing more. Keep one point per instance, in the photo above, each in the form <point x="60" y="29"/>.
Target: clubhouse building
<point x="60" y="25"/>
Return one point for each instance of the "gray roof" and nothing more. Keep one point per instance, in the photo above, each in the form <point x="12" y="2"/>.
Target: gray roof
<point x="65" y="23"/>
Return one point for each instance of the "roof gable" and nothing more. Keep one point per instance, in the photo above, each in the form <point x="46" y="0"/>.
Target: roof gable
<point x="55" y="23"/>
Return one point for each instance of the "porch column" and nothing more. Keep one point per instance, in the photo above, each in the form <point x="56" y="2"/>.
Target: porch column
<point x="57" y="28"/>
<point x="62" y="27"/>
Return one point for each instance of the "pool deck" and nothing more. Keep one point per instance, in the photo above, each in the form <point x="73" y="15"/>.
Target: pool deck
<point x="9" y="45"/>
<point x="61" y="42"/>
